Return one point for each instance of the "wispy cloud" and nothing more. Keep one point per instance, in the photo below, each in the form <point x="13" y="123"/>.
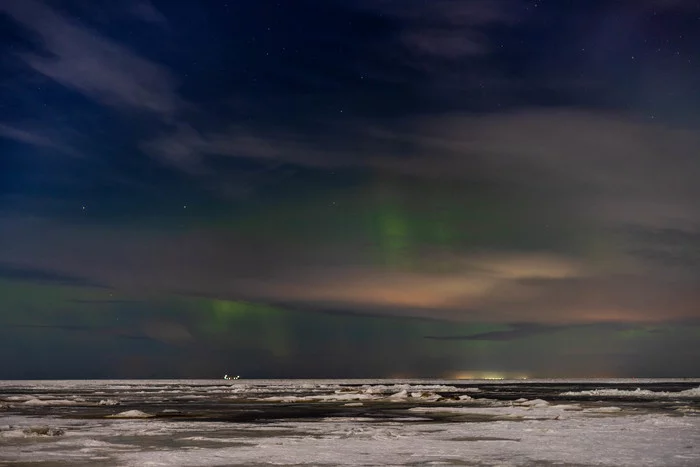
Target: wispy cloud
<point x="445" y="29"/>
<point x="81" y="59"/>
<point x="525" y="330"/>
<point x="665" y="4"/>
<point x="163" y="332"/>
<point x="110" y="332"/>
<point x="35" y="139"/>
<point x="516" y="332"/>
<point x="188" y="148"/>
<point x="16" y="272"/>
<point x="145" y="11"/>
<point x="612" y="167"/>
<point x="673" y="250"/>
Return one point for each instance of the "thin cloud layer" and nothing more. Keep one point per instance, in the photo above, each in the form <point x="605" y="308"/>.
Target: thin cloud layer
<point x="146" y="11"/>
<point x="445" y="29"/>
<point x="84" y="60"/>
<point x="484" y="287"/>
<point x="611" y="166"/>
<point x="35" y="138"/>
<point x="665" y="4"/>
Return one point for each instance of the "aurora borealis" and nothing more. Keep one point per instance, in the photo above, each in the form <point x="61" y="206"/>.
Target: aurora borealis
<point x="349" y="188"/>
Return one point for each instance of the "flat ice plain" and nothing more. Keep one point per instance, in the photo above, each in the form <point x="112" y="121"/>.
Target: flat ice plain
<point x="350" y="422"/>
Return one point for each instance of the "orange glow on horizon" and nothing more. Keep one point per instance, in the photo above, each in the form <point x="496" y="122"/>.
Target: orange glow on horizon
<point x="486" y="375"/>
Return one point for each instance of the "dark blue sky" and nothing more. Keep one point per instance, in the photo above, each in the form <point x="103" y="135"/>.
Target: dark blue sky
<point x="308" y="186"/>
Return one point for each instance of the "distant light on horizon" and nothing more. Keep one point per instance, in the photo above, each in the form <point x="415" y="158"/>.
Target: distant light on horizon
<point x="486" y="375"/>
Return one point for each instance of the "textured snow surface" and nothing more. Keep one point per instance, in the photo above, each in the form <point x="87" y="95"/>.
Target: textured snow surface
<point x="641" y="393"/>
<point x="329" y="423"/>
<point x="578" y="439"/>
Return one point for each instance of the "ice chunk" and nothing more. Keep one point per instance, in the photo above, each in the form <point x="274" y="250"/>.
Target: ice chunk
<point x="131" y="414"/>
<point x="19" y="398"/>
<point x="108" y="402"/>
<point x="44" y="403"/>
<point x="604" y="410"/>
<point x="43" y="431"/>
<point x="535" y="403"/>
<point x="566" y="407"/>
<point x="694" y="392"/>
<point x="29" y="432"/>
<point x="429" y="396"/>
<point x="403" y="394"/>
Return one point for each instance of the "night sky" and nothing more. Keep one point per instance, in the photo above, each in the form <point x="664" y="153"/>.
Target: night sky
<point x="349" y="188"/>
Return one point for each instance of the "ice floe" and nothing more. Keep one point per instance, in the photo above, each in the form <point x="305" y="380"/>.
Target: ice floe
<point x="637" y="393"/>
<point x="30" y="431"/>
<point x="108" y="402"/>
<point x="49" y="402"/>
<point x="612" y="409"/>
<point x="131" y="414"/>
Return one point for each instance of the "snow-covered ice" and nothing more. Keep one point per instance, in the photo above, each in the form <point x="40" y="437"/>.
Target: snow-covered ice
<point x="639" y="392"/>
<point x="198" y="423"/>
<point x="131" y="414"/>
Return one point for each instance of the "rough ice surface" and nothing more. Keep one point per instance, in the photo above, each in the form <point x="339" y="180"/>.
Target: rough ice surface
<point x="639" y="392"/>
<point x="370" y="423"/>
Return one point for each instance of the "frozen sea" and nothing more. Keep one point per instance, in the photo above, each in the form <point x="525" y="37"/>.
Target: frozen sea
<point x="350" y="422"/>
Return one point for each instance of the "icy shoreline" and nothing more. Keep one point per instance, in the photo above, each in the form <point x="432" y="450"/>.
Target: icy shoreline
<point x="350" y="422"/>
